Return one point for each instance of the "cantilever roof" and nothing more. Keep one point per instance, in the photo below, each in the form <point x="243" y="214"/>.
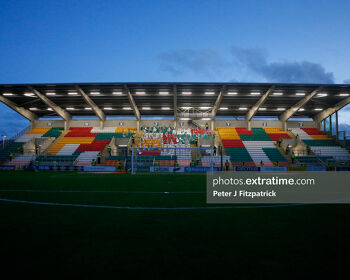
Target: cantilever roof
<point x="113" y="100"/>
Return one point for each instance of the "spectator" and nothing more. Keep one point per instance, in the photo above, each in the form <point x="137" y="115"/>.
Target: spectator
<point x="280" y="142"/>
<point x="214" y="150"/>
<point x="206" y="126"/>
<point x="99" y="156"/>
<point x="293" y="157"/>
<point x="227" y="165"/>
<point x="109" y="149"/>
<point x="261" y="163"/>
<point x="308" y="149"/>
<point x="10" y="156"/>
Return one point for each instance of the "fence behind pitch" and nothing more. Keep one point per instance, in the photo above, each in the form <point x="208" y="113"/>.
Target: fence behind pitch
<point x="180" y="159"/>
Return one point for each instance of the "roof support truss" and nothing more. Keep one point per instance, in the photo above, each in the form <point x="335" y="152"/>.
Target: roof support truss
<point x="57" y="109"/>
<point x="251" y="113"/>
<point x="175" y="102"/>
<point x="133" y="104"/>
<point x="218" y="102"/>
<point x="327" y="112"/>
<point x="24" y="112"/>
<point x="292" y="110"/>
<point x="98" y="112"/>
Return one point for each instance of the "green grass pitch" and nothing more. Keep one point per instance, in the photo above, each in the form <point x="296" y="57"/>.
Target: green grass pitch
<point x="159" y="243"/>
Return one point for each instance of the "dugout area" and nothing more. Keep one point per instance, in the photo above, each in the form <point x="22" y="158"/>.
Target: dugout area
<point x="85" y="242"/>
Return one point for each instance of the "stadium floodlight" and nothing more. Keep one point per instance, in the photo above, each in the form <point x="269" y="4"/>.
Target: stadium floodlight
<point x="321" y="94"/>
<point x="206" y="119"/>
<point x="186" y="108"/>
<point x="72" y="93"/>
<point x="232" y="93"/>
<point x="300" y="94"/>
<point x="344" y="94"/>
<point x="186" y="93"/>
<point x="7" y="94"/>
<point x="164" y="93"/>
<point x="301" y="110"/>
<point x="50" y="93"/>
<point x="146" y="108"/>
<point x="29" y="94"/>
<point x="184" y="119"/>
<point x="49" y="109"/>
<point x="209" y="93"/>
<point x="140" y="93"/>
<point x="95" y="93"/>
<point x="318" y="109"/>
<point x="127" y="108"/>
<point x="70" y="108"/>
<point x="117" y="93"/>
<point x="166" y="108"/>
<point x="262" y="109"/>
<point x="281" y="109"/>
<point x="204" y="108"/>
<point x="88" y="108"/>
<point x="255" y="93"/>
<point x="107" y="108"/>
<point x="242" y="108"/>
<point x="33" y="109"/>
<point x="278" y="93"/>
<point x="223" y="108"/>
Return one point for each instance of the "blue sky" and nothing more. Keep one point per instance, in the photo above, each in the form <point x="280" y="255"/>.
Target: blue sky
<point x="107" y="41"/>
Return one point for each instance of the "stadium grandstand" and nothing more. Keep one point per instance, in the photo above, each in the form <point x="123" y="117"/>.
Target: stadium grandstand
<point x="183" y="127"/>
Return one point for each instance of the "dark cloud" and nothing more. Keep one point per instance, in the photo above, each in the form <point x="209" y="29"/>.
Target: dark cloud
<point x="244" y="64"/>
<point x="205" y="62"/>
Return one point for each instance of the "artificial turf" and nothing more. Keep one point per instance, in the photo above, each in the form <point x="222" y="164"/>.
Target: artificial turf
<point x="258" y="243"/>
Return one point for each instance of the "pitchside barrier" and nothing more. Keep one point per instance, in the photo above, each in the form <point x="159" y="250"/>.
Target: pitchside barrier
<point x="175" y="159"/>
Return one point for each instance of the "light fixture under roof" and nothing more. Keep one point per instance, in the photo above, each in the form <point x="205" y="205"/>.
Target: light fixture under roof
<point x="184" y="119"/>
<point x="281" y="109"/>
<point x="146" y="108"/>
<point x="204" y="108"/>
<point x="321" y="94"/>
<point x="262" y="109"/>
<point x="51" y="93"/>
<point x="163" y="92"/>
<point x="255" y="93"/>
<point x="127" y="108"/>
<point x="140" y="93"/>
<point x="232" y="93"/>
<point x="300" y="94"/>
<point x="186" y="108"/>
<point x="242" y="108"/>
<point x="33" y="109"/>
<point x="209" y="93"/>
<point x="186" y="93"/>
<point x="301" y="110"/>
<point x="117" y="93"/>
<point x="72" y="93"/>
<point x="29" y="94"/>
<point x="107" y="108"/>
<point x="49" y="109"/>
<point x="7" y="94"/>
<point x="223" y="108"/>
<point x="95" y="93"/>
<point x="318" y="109"/>
<point x="166" y="108"/>
<point x="206" y="119"/>
<point x="70" y="108"/>
<point x="344" y="94"/>
<point x="88" y="108"/>
<point x="278" y="93"/>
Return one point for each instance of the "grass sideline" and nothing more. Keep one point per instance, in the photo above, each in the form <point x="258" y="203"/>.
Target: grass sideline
<point x="161" y="244"/>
